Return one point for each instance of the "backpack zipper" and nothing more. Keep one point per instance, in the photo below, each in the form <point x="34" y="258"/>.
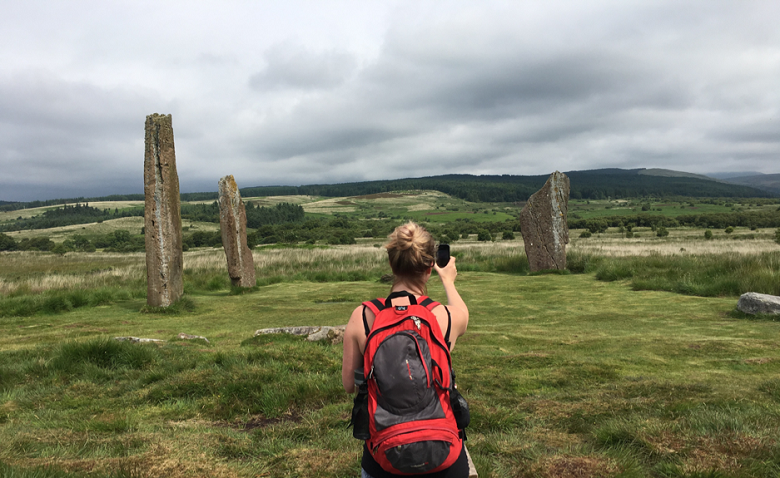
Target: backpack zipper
<point x="412" y="430"/>
<point x="428" y="374"/>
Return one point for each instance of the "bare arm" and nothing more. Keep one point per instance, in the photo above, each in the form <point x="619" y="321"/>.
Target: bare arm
<point x="353" y="357"/>
<point x="458" y="309"/>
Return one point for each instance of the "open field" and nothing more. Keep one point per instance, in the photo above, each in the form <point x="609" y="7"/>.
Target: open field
<point x="679" y="242"/>
<point x="580" y="208"/>
<point x="599" y="372"/>
<point x="132" y="224"/>
<point x="562" y="372"/>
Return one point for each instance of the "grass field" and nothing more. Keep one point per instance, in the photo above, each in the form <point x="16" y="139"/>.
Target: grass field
<point x="585" y="209"/>
<point x="634" y="365"/>
<point x="567" y="375"/>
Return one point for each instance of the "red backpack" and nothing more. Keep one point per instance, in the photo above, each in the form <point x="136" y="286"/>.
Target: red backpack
<point x="408" y="372"/>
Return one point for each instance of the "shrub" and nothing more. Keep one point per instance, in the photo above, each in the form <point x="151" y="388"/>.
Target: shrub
<point x="59" y="249"/>
<point x="629" y="234"/>
<point x="662" y="232"/>
<point x="7" y="243"/>
<point x="484" y="235"/>
<point x="508" y="235"/>
<point x="777" y="235"/>
<point x="586" y="234"/>
<point x="708" y="234"/>
<point x="729" y="230"/>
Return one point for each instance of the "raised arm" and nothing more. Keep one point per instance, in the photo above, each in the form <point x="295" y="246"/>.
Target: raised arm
<point x="455" y="304"/>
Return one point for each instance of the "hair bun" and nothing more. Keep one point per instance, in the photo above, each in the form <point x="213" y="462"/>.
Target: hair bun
<point x="406" y="236"/>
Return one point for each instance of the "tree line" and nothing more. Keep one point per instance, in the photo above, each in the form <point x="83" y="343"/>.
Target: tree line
<point x="752" y="219"/>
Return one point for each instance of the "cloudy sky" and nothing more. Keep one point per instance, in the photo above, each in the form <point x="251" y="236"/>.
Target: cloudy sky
<point x="301" y="92"/>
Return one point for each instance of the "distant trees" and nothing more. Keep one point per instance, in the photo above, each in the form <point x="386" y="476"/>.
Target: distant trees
<point x="7" y="243"/>
<point x="69" y="215"/>
<point x="758" y="219"/>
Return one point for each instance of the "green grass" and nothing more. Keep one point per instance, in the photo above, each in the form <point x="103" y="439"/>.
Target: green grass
<point x="703" y="275"/>
<point x="562" y="372"/>
<point x="586" y="209"/>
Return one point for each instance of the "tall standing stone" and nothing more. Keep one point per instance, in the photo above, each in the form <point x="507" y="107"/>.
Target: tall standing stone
<point x="543" y="224"/>
<point x="232" y="221"/>
<point x="162" y="215"/>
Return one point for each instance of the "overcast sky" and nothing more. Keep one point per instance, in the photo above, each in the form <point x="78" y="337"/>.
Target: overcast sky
<point x="302" y="92"/>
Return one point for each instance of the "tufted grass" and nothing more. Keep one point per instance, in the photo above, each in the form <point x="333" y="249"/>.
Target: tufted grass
<point x="565" y="374"/>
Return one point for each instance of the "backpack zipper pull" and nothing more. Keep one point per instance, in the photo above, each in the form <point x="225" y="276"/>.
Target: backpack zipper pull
<point x="370" y="373"/>
<point x="416" y="322"/>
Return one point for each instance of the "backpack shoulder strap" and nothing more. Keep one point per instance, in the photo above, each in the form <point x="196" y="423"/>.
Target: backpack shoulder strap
<point x="376" y="305"/>
<point x="430" y="304"/>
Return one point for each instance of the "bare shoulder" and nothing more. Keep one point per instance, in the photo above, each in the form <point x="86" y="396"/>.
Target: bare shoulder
<point x="356" y="318"/>
<point x="458" y="318"/>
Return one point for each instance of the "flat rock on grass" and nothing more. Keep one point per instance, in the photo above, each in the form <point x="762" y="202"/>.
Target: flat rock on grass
<point x="314" y="333"/>
<point x="138" y="340"/>
<point x="754" y="303"/>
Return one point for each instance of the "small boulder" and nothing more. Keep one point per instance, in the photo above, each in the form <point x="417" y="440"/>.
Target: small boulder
<point x="754" y="303"/>
<point x="193" y="337"/>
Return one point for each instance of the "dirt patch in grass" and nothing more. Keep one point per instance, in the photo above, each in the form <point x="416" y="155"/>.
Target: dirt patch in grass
<point x="262" y="422"/>
<point x="313" y="462"/>
<point x="576" y="467"/>
<point x="758" y="361"/>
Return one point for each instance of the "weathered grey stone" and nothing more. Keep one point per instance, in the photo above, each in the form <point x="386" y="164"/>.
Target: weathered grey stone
<point x="137" y="340"/>
<point x="162" y="215"/>
<point x="193" y="337"/>
<point x="334" y="335"/>
<point x="755" y="303"/>
<point x="232" y="221"/>
<point x="472" y="469"/>
<point x="543" y="224"/>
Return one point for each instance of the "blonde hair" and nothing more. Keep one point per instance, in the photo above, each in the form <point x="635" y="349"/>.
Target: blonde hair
<point x="411" y="250"/>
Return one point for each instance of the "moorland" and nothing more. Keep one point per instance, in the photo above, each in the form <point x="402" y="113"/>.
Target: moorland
<point x="632" y="362"/>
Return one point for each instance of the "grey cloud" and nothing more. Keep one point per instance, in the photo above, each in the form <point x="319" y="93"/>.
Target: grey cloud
<point x="292" y="66"/>
<point x="65" y="136"/>
<point x="502" y="88"/>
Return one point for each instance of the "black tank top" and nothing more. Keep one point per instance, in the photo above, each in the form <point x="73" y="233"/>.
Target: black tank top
<point x="459" y="469"/>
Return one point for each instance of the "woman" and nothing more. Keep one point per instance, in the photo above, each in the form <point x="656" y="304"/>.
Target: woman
<point x="411" y="251"/>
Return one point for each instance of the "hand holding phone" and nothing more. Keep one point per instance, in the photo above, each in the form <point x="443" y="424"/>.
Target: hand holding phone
<point x="443" y="255"/>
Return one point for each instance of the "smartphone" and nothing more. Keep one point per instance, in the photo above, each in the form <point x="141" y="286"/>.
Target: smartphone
<point x="443" y="255"/>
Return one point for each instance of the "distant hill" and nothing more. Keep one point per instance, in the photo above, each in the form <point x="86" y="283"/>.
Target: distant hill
<point x="765" y="182"/>
<point x="668" y="173"/>
<point x="734" y="174"/>
<point x="587" y="184"/>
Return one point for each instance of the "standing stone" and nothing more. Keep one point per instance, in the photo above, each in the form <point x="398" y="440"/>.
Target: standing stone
<point x="162" y="215"/>
<point x="232" y="221"/>
<point x="543" y="224"/>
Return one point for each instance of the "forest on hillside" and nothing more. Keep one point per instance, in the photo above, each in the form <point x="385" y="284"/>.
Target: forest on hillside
<point x="591" y="184"/>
